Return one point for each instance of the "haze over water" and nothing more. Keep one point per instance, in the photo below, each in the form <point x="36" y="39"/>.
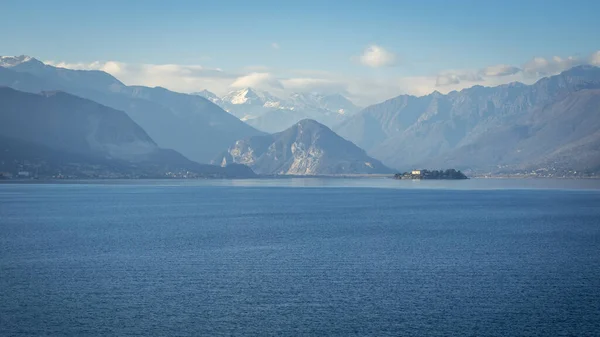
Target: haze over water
<point x="262" y="257"/>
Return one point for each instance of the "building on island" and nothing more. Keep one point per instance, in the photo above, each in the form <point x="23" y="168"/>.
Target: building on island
<point x="416" y="172"/>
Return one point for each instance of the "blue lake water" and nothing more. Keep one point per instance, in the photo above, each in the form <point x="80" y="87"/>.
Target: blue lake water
<point x="325" y="257"/>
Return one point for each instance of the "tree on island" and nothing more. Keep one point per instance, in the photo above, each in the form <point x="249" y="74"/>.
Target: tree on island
<point x="450" y="174"/>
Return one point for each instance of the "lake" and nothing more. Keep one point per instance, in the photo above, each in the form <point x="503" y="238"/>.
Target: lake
<point x="334" y="257"/>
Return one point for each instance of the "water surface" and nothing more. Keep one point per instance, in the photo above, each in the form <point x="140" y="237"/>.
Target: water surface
<point x="267" y="258"/>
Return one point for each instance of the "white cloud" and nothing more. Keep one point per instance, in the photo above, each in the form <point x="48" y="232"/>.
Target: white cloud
<point x="321" y="85"/>
<point x="529" y="72"/>
<point x="449" y="77"/>
<point x="539" y="66"/>
<point x="113" y="68"/>
<point x="363" y="90"/>
<point x="375" y="57"/>
<point x="110" y="67"/>
<point x="183" y="78"/>
<point x="191" y="78"/>
<point x="275" y="45"/>
<point x="594" y="59"/>
<point x="500" y="70"/>
<point x="257" y="80"/>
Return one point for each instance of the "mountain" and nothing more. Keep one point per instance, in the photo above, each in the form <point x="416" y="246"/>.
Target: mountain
<point x="306" y="148"/>
<point x="58" y="131"/>
<point x="507" y="128"/>
<point x="189" y="124"/>
<point x="92" y="79"/>
<point x="249" y="103"/>
<point x="251" y="97"/>
<point x="269" y="113"/>
<point x="209" y="96"/>
<point x="11" y="61"/>
<point x="335" y="103"/>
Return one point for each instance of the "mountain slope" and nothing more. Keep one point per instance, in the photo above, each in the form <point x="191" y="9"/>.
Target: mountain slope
<point x="209" y="96"/>
<point x="187" y="123"/>
<point x="564" y="134"/>
<point x="56" y="126"/>
<point x="509" y="127"/>
<point x="306" y="148"/>
<point x="335" y="103"/>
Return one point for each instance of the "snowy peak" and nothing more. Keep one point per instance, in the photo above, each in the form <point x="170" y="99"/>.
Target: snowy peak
<point x="250" y="96"/>
<point x="12" y="61"/>
<point x="209" y="96"/>
<point x="244" y="96"/>
<point x="270" y="113"/>
<point x="307" y="101"/>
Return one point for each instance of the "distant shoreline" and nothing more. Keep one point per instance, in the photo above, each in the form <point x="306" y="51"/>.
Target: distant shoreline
<point x="281" y="177"/>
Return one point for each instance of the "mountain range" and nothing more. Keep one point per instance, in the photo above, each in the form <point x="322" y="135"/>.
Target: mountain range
<point x="553" y="125"/>
<point x="550" y="126"/>
<point x="190" y="124"/>
<point x="58" y="133"/>
<point x="306" y="148"/>
<point x="270" y="113"/>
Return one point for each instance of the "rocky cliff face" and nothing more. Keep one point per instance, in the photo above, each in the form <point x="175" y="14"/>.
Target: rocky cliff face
<point x="306" y="148"/>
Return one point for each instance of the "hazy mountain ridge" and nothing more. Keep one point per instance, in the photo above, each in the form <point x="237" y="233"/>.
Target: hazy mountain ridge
<point x="493" y="125"/>
<point x="306" y="148"/>
<point x="485" y="129"/>
<point x="187" y="123"/>
<point x="60" y="132"/>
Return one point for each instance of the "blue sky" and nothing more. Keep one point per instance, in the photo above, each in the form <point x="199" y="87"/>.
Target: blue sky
<point x="287" y="38"/>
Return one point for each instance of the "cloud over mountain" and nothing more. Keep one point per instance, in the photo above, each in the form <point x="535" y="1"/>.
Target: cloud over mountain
<point x="539" y="66"/>
<point x="257" y="80"/>
<point x="500" y="70"/>
<point x="183" y="78"/>
<point x="376" y="56"/>
<point x="363" y="90"/>
<point x="595" y="58"/>
<point x="456" y="77"/>
<point x="528" y="73"/>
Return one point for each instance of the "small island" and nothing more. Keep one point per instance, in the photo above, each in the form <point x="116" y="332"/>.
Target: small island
<point x="450" y="174"/>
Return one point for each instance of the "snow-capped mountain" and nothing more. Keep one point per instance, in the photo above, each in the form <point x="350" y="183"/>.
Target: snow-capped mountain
<point x="209" y="96"/>
<point x="247" y="104"/>
<point x="270" y="113"/>
<point x="12" y="61"/>
<point x="249" y="96"/>
<point x="297" y="101"/>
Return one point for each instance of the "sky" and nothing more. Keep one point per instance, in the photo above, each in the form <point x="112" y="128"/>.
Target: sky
<point x="367" y="50"/>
